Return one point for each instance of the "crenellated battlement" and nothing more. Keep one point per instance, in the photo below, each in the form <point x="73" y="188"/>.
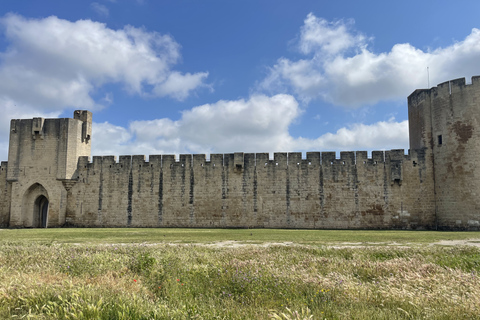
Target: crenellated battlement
<point x="280" y="159"/>
<point x="443" y="89"/>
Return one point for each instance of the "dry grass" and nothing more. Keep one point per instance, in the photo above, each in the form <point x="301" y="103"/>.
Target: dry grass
<point x="64" y="281"/>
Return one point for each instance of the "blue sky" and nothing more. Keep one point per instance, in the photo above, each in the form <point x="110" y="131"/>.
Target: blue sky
<point x="165" y="77"/>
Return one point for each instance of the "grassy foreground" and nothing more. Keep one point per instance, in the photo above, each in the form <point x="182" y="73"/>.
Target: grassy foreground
<point x="95" y="279"/>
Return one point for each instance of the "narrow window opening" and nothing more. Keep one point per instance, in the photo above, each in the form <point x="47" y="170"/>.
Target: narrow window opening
<point x="440" y="140"/>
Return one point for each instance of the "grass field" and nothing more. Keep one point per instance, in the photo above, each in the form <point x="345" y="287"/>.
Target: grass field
<point x="278" y="274"/>
<point x="152" y="235"/>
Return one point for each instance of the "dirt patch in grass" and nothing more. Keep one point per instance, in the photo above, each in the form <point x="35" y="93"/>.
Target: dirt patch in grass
<point x="337" y="245"/>
<point x="471" y="242"/>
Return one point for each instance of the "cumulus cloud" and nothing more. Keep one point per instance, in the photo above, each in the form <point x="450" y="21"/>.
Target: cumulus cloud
<point x="54" y="63"/>
<point x="179" y="85"/>
<point x="320" y="35"/>
<point x="382" y="135"/>
<point x="338" y="66"/>
<point x="259" y="124"/>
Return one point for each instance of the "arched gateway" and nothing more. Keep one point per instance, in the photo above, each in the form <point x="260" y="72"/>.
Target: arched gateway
<point x="35" y="207"/>
<point x="41" y="210"/>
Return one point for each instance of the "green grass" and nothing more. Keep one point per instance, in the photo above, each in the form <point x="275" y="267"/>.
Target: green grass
<point x="159" y="235"/>
<point x="132" y="274"/>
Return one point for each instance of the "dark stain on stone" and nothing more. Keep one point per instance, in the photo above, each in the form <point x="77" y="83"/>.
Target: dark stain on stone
<point x="376" y="210"/>
<point x="463" y="131"/>
<point x="255" y="192"/>
<point x="192" y="187"/>
<point x="160" y="198"/>
<point x="130" y="196"/>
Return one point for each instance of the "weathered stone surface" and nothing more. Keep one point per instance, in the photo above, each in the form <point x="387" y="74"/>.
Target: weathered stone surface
<point x="449" y="116"/>
<point x="43" y="155"/>
<point x="436" y="185"/>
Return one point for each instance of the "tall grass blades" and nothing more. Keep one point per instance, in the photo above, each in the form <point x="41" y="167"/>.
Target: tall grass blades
<point x="186" y="281"/>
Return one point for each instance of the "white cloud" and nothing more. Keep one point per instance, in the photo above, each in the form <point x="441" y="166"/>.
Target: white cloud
<point x="383" y="135"/>
<point x="179" y="86"/>
<point x="339" y="68"/>
<point x="100" y="9"/>
<point x="53" y="63"/>
<point x="327" y="37"/>
<point x="259" y="124"/>
<point x="110" y="139"/>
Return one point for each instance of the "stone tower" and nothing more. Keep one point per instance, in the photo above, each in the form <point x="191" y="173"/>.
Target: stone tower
<point x="42" y="163"/>
<point x="445" y="121"/>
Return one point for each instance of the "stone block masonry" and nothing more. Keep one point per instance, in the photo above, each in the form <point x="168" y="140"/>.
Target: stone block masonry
<point x="390" y="190"/>
<point x="447" y="122"/>
<point x="51" y="181"/>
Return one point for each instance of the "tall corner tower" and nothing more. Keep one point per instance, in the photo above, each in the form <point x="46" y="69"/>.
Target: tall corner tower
<point x="445" y="121"/>
<point x="42" y="159"/>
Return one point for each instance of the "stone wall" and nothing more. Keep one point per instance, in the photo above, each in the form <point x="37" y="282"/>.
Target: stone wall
<point x="389" y="190"/>
<point x="5" y="189"/>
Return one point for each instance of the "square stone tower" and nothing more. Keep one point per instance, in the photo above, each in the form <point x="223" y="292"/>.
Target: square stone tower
<point x="42" y="162"/>
<point x="444" y="121"/>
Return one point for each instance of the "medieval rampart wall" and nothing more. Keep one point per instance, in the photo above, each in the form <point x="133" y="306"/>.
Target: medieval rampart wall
<point x="389" y="190"/>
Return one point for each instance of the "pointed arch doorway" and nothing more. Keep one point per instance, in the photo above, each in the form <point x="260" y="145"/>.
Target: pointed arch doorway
<point x="41" y="211"/>
<point x="35" y="207"/>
